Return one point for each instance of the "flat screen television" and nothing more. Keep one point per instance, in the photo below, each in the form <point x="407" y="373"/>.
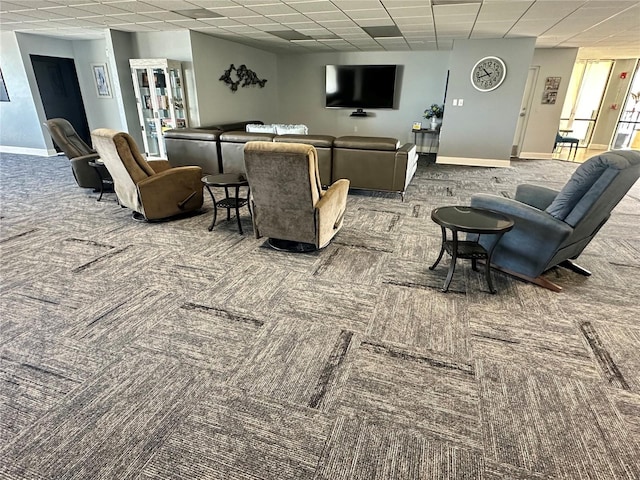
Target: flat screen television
<point x="360" y="86"/>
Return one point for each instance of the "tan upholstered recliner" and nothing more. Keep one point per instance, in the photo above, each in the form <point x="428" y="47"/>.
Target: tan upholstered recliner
<point x="153" y="189"/>
<point x="288" y="203"/>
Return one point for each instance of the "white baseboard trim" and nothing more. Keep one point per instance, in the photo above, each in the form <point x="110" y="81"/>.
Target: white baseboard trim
<point x="536" y="155"/>
<point x="40" y="152"/>
<point x="473" y="162"/>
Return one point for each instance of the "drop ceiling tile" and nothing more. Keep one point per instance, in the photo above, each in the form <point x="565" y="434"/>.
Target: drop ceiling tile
<point x="213" y="22"/>
<point x="356" y="4"/>
<point x="171" y="4"/>
<point x="464" y="9"/>
<point x="367" y="14"/>
<point x="375" y="23"/>
<point x="328" y="16"/>
<point x="313" y="6"/>
<point x="235" y="12"/>
<point x="100" y="9"/>
<point x="273" y="9"/>
<point x="214" y="3"/>
<point x="136" y="6"/>
<point x="164" y="15"/>
<point x="503" y="11"/>
<point x="403" y="12"/>
<point x="288" y="18"/>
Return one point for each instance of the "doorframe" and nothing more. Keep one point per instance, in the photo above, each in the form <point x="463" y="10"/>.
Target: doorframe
<point x="527" y="101"/>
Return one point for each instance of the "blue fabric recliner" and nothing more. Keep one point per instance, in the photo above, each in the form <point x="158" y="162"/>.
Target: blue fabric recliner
<point x="552" y="228"/>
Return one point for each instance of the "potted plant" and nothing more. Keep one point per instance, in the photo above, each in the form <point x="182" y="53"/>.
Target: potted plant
<point x="434" y="113"/>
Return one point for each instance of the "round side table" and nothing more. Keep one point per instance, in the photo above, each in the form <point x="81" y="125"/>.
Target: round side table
<point x="226" y="181"/>
<point x="469" y="220"/>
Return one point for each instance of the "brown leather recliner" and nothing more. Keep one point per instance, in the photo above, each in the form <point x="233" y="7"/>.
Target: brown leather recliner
<point x="288" y="203"/>
<point x="78" y="153"/>
<point x="153" y="189"/>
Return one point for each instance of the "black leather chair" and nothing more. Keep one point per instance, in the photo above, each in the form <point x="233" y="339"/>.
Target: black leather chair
<point x="78" y="153"/>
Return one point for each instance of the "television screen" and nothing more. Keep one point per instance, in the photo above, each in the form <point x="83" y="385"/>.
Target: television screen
<point x="360" y="86"/>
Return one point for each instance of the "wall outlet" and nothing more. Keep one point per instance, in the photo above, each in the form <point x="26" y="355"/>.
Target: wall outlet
<point x="455" y="102"/>
<point x="460" y="102"/>
<point x="355" y="128"/>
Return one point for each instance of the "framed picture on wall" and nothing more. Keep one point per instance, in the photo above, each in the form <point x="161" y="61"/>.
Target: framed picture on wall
<point x="101" y="78"/>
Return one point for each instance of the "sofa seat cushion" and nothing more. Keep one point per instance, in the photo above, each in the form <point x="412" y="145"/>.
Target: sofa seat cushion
<point x="244" y="137"/>
<point x="193" y="134"/>
<point x="367" y="143"/>
<point x="318" y="141"/>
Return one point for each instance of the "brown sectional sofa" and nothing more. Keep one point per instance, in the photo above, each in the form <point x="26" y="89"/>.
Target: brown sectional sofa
<point x="370" y="163"/>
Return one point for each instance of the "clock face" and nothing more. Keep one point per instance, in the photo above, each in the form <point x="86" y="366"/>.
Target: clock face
<point x="488" y="74"/>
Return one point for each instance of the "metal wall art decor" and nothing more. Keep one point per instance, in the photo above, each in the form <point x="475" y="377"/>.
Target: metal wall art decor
<point x="241" y="76"/>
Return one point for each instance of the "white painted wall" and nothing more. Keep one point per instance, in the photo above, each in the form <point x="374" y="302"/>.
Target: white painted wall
<point x="20" y="129"/>
<point x="481" y="131"/>
<point x="422" y="80"/>
<point x="544" y="119"/>
<point x="216" y="103"/>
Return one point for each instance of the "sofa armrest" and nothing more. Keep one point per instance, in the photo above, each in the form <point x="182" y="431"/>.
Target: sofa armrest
<point x="536" y="196"/>
<point x="159" y="166"/>
<point x="330" y="210"/>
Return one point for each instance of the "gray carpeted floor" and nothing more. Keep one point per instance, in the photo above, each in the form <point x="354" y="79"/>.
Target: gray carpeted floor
<point x="133" y="350"/>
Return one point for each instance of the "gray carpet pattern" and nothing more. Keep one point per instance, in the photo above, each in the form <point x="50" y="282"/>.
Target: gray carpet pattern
<point x="134" y="350"/>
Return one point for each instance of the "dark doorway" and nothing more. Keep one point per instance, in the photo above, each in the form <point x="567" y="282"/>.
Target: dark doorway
<point x="60" y="92"/>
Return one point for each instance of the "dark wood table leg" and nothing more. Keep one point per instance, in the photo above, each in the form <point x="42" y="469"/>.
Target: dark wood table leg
<point x="215" y="208"/>
<point x="487" y="265"/>
<point x="238" y="208"/>
<point x="452" y="266"/>
<point x="226" y="193"/>
<point x="444" y="239"/>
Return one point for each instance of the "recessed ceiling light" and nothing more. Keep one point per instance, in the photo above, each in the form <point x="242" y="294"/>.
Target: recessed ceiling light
<point x="385" y="31"/>
<point x="198" y="13"/>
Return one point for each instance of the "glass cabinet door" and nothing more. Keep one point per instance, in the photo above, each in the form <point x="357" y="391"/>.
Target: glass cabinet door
<point x="148" y="116"/>
<point x="161" y="101"/>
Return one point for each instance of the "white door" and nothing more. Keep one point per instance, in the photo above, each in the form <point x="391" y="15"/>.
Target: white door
<point x="527" y="98"/>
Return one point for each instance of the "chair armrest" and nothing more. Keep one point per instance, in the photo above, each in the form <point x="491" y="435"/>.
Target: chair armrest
<point x="85" y="158"/>
<point x="520" y="212"/>
<point x="163" y="194"/>
<point x="532" y="243"/>
<point x="159" y="166"/>
<point x="331" y="207"/>
<point x="536" y="196"/>
<point x="406" y="148"/>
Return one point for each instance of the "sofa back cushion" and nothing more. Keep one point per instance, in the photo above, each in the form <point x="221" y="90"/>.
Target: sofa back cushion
<point x="256" y="128"/>
<point x="282" y="129"/>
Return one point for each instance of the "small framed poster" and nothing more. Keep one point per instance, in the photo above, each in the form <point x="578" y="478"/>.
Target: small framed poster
<point x="416" y="126"/>
<point x="101" y="78"/>
<point x="550" y="93"/>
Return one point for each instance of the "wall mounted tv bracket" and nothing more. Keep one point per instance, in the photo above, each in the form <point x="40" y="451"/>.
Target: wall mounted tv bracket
<point x="358" y="113"/>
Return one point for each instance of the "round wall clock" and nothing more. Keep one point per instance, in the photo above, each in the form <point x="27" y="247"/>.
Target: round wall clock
<point x="488" y="74"/>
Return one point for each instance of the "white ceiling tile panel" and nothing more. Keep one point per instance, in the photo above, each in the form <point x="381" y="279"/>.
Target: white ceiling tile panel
<point x="289" y="18"/>
<point x="164" y="15"/>
<point x="273" y="9"/>
<point x="100" y="9"/>
<point x="367" y="14"/>
<point x="375" y="22"/>
<point x="328" y="16"/>
<point x="171" y="4"/>
<point x="314" y="6"/>
<point x="356" y="4"/>
<point x="234" y="12"/>
<point x="464" y="9"/>
<point x="503" y="11"/>
<point x="214" y="22"/>
<point x="213" y="4"/>
<point x="409" y="12"/>
<point x="136" y="6"/>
